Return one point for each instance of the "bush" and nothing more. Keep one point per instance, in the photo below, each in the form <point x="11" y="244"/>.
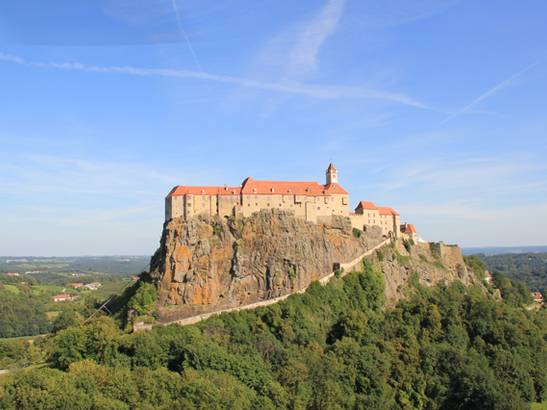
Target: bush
<point x="408" y="244"/>
<point x="357" y="232"/>
<point x="380" y="254"/>
<point x="144" y="300"/>
<point x="477" y="266"/>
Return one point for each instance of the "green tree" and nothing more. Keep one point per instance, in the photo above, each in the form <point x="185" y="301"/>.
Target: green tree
<point x="144" y="300"/>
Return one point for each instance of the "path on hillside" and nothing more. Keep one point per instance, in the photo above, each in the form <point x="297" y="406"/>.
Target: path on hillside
<point x="345" y="267"/>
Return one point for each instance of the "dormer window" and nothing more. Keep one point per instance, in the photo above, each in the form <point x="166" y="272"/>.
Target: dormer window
<point x="272" y="189"/>
<point x="254" y="190"/>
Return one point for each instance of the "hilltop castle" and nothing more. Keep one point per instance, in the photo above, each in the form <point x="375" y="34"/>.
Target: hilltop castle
<point x="308" y="200"/>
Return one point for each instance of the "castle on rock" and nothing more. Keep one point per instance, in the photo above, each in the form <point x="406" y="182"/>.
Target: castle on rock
<point x="308" y="200"/>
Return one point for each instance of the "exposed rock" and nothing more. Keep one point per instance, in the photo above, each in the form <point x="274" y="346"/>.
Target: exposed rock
<point x="427" y="263"/>
<point x="206" y="265"/>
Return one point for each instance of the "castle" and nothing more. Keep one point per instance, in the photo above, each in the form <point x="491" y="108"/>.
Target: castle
<point x="308" y="200"/>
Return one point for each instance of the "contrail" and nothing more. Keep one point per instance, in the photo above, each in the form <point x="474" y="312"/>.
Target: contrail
<point x="319" y="91"/>
<point x="491" y="91"/>
<point x="183" y="33"/>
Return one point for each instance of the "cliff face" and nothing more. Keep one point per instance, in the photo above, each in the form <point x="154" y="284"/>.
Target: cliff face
<point x="206" y="265"/>
<point x="428" y="263"/>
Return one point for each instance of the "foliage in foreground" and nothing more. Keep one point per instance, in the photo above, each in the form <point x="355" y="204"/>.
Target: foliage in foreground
<point x="330" y="348"/>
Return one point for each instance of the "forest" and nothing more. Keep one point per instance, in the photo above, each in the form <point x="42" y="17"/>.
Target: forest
<point x="530" y="268"/>
<point x="333" y="347"/>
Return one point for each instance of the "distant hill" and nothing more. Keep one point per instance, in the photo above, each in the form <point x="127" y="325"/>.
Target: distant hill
<point x="497" y="250"/>
<point x="530" y="268"/>
<point x="114" y="265"/>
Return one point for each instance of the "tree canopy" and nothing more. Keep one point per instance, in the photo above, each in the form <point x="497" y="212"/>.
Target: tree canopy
<point x="333" y="347"/>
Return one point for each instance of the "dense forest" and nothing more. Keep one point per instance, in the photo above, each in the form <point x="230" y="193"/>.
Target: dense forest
<point x="333" y="347"/>
<point x="530" y="268"/>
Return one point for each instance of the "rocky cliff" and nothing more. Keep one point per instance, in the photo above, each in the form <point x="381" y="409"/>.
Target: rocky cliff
<point x="426" y="263"/>
<point x="205" y="265"/>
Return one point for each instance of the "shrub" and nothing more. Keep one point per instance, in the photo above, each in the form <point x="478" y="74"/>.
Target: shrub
<point x="408" y="243"/>
<point x="380" y="254"/>
<point x="144" y="300"/>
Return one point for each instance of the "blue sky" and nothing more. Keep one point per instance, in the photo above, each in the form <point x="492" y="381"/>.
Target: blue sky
<point x="434" y="107"/>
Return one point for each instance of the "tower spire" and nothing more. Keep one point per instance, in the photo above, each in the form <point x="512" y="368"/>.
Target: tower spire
<point x="332" y="174"/>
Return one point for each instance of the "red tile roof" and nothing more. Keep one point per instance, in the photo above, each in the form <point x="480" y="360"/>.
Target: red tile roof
<point x="409" y="228"/>
<point x="254" y="187"/>
<point x="251" y="186"/>
<point x="371" y="206"/>
<point x="334" y="188"/>
<point x="205" y="190"/>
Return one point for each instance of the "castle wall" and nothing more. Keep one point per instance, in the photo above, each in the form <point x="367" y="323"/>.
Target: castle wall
<point x="303" y="206"/>
<point x="390" y="224"/>
<point x="173" y="207"/>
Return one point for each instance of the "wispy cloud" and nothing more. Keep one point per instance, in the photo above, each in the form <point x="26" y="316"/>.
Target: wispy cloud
<point x="501" y="85"/>
<point x="490" y="177"/>
<point x="293" y="88"/>
<point x="303" y="57"/>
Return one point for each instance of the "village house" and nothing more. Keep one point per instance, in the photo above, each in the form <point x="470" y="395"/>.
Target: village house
<point x="93" y="285"/>
<point x="537" y="297"/>
<point x="310" y="201"/>
<point x="12" y="274"/>
<point x="63" y="297"/>
<point x="77" y="285"/>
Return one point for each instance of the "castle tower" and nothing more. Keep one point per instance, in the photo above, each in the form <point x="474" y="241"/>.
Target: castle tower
<point x="332" y="174"/>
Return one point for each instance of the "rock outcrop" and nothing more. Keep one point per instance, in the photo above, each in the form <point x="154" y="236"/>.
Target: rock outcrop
<point x="209" y="265"/>
<point x="426" y="263"/>
<point x="205" y="265"/>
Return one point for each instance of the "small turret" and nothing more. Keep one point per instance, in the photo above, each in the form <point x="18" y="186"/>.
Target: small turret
<point x="332" y="174"/>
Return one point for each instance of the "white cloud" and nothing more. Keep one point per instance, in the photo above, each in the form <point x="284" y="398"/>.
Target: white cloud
<point x="302" y="59"/>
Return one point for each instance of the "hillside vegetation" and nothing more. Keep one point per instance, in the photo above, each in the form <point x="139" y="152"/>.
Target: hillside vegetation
<point x="530" y="268"/>
<point x="333" y="347"/>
